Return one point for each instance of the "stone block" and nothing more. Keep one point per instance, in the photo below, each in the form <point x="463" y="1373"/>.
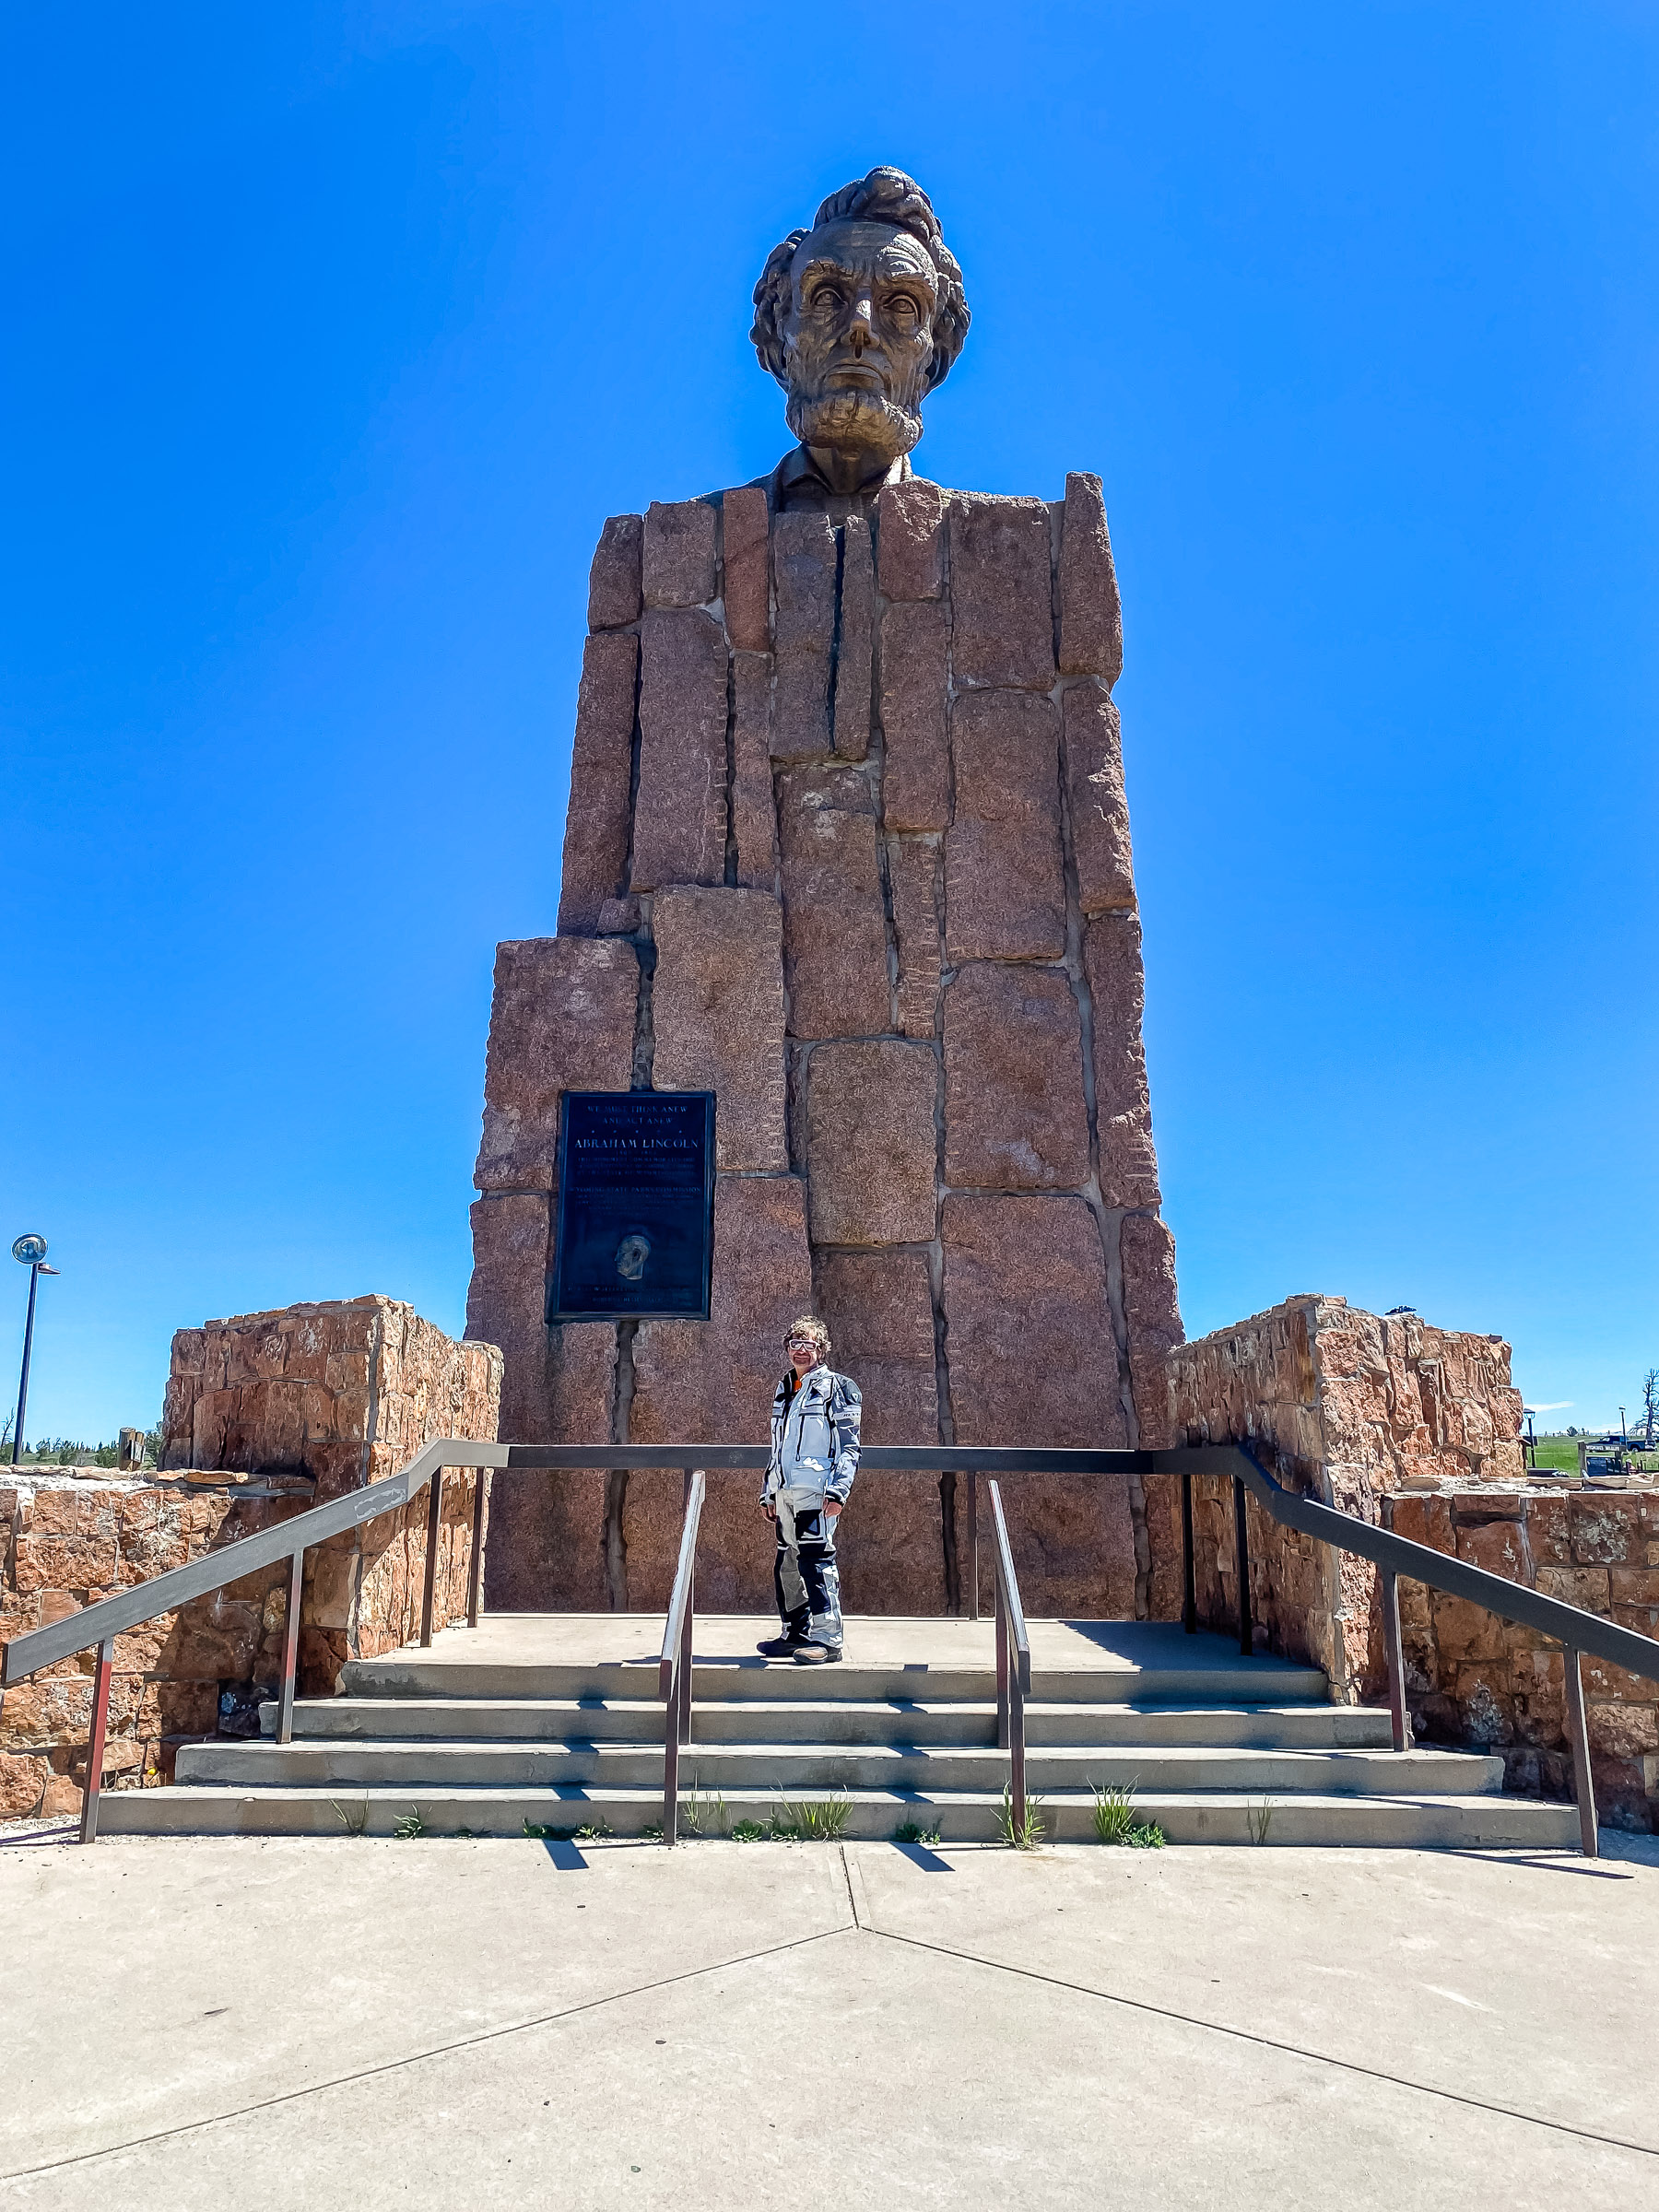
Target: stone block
<point x="598" y="819"/>
<point x="1005" y="890"/>
<point x="717" y="1014"/>
<point x="1091" y="620"/>
<point x="562" y="1018"/>
<point x="804" y="562"/>
<point x="910" y="534"/>
<point x="878" y="1309"/>
<point x="680" y="810"/>
<point x="1001" y="591"/>
<point x="614" y="578"/>
<point x="1112" y="962"/>
<point x="870" y="1143"/>
<point x="1152" y="1317"/>
<point x="746" y="587"/>
<point x="546" y="1551"/>
<point x="915" y="693"/>
<point x="855" y="641"/>
<point x="1585" y="1586"/>
<point x="1021" y="1272"/>
<point x="1498" y="1546"/>
<point x="835" y="950"/>
<point x="679" y="566"/>
<point x="696" y="1382"/>
<point x="619" y="917"/>
<point x="507" y="1304"/>
<point x="754" y="807"/>
<point x="23" y="1778"/>
<point x="913" y="876"/>
<point x="1015" y="1115"/>
<point x="1100" y="812"/>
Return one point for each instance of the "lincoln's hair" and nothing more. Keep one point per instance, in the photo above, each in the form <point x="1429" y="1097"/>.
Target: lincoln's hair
<point x="808" y="1327"/>
<point x="885" y="195"/>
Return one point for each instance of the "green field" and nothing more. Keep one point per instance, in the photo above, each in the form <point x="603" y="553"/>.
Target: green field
<point x="1562" y="1451"/>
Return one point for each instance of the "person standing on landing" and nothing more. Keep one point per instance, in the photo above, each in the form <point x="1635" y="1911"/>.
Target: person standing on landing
<point x="815" y="1421"/>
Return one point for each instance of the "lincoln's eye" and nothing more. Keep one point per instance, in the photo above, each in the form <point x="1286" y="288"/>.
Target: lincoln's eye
<point x="903" y="308"/>
<point x="827" y="297"/>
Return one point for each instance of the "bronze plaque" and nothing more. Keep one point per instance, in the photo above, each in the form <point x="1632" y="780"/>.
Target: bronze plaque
<point x="636" y="1205"/>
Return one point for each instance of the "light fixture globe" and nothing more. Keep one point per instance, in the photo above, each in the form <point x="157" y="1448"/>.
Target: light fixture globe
<point x="30" y="1250"/>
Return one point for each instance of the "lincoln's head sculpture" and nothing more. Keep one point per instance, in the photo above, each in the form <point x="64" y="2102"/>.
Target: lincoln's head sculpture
<point x="858" y="319"/>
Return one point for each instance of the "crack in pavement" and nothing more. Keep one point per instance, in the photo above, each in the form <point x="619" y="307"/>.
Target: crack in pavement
<point x="1245" y="2035"/>
<point x="415" y="2058"/>
<point x="863" y="1922"/>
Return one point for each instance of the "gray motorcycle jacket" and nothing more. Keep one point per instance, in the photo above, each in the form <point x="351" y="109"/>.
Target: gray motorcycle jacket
<point x="814" y="1439"/>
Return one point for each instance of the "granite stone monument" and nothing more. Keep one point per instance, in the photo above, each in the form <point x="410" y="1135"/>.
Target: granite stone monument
<point x="847" y="847"/>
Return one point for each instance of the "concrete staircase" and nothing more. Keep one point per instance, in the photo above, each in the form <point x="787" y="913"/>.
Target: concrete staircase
<point x="553" y="1720"/>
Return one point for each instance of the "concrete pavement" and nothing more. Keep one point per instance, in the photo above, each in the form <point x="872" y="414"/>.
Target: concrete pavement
<point x="443" y="2022"/>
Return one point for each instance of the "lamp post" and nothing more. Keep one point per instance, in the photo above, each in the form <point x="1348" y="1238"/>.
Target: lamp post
<point x="31" y="1252"/>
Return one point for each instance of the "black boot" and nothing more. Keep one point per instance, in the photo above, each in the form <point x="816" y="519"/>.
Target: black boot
<point x="780" y="1647"/>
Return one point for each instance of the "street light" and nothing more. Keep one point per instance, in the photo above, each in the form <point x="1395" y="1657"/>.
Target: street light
<point x="31" y="1252"/>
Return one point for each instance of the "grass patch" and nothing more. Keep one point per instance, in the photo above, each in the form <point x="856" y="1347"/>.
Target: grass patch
<point x="1114" y="1822"/>
<point x="1020" y="1835"/>
<point x="748" y="1831"/>
<point x="409" y="1827"/>
<point x="354" y="1819"/>
<point x="652" y="1832"/>
<point x="702" y="1816"/>
<point x="912" y="1831"/>
<point x="1260" y="1819"/>
<point x="813" y="1821"/>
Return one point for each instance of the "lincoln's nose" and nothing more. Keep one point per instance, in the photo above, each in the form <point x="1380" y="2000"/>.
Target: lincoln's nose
<point x="861" y="332"/>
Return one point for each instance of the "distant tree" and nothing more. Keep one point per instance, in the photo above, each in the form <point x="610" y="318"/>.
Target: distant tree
<point x="1650" y="1406"/>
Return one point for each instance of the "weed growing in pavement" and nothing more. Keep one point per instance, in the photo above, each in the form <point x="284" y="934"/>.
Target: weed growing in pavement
<point x="1260" y="1817"/>
<point x="1022" y="1835"/>
<point x="593" y="1831"/>
<point x="813" y="1821"/>
<point x="652" y="1832"/>
<point x="702" y="1816"/>
<point x="410" y="1826"/>
<point x="354" y="1819"/>
<point x="536" y="1833"/>
<point x="912" y="1831"/>
<point x="1115" y="1820"/>
<point x="748" y="1831"/>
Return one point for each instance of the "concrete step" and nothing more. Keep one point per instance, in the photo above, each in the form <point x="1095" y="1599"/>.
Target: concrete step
<point x="808" y="1768"/>
<point x="427" y="1675"/>
<point x="1420" y="1821"/>
<point x="837" y="1721"/>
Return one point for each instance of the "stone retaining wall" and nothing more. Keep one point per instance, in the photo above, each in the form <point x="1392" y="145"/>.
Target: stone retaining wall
<point x="1418" y="1429"/>
<point x="1498" y="1686"/>
<point x="1346" y="1407"/>
<point x="268" y="1411"/>
<point x="847" y="844"/>
<point x="70" y="1536"/>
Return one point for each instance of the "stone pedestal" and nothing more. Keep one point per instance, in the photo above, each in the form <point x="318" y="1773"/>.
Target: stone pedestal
<point x="870" y="880"/>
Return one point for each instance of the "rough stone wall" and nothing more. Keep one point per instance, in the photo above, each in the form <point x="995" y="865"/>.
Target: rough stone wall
<point x="70" y="1536"/>
<point x="1346" y="1407"/>
<point x="1498" y="1686"/>
<point x="847" y="844"/>
<point x="344" y="1394"/>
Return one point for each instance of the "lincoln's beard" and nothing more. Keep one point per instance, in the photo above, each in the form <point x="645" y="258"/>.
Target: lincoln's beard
<point x="859" y="422"/>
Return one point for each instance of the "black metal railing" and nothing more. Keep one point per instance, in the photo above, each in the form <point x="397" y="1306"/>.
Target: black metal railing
<point x="1576" y="1630"/>
<point x="673" y="1670"/>
<point x="100" y="1623"/>
<point x="1013" y="1668"/>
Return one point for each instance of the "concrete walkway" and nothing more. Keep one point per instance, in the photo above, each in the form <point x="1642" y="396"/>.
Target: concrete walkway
<point x="447" y="2023"/>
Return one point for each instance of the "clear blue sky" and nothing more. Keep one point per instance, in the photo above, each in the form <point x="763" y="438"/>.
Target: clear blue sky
<point x="336" y="333"/>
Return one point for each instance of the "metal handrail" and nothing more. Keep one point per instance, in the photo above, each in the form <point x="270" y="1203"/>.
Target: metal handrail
<point x="1013" y="1666"/>
<point x="1576" y="1630"/>
<point x="674" y="1668"/>
<point x="102" y="1622"/>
